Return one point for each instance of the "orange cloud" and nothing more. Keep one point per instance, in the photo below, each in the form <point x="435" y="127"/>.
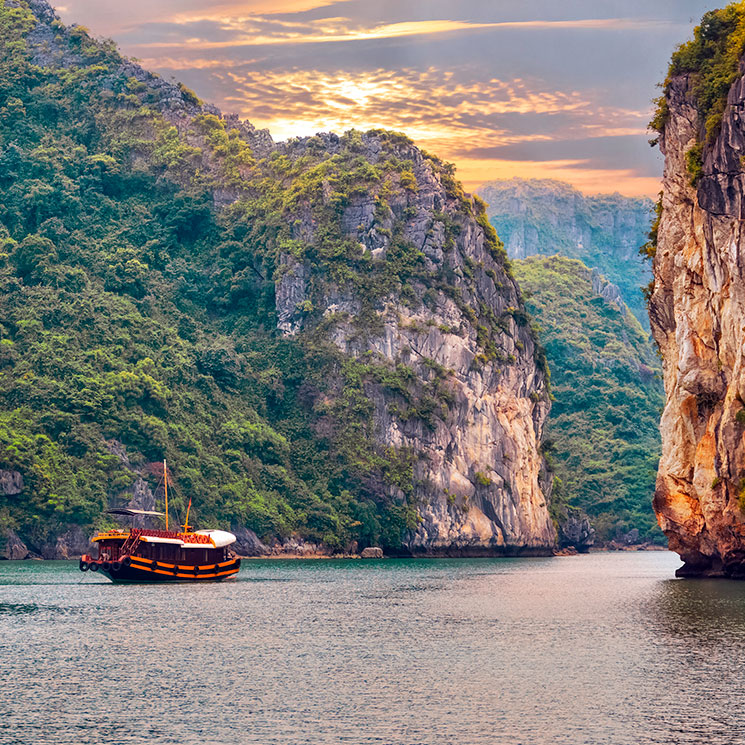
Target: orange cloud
<point x="431" y="106"/>
<point x="342" y="30"/>
<point x="229" y="10"/>
<point x="445" y="116"/>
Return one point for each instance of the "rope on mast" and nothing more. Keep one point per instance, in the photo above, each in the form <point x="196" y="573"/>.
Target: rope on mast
<point x="165" y="482"/>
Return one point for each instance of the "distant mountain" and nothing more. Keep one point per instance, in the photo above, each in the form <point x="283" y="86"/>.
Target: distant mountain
<point x="602" y="435"/>
<point x="545" y="217"/>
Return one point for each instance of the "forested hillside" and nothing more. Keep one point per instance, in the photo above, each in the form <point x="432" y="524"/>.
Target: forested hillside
<point x="602" y="435"/>
<point x="151" y="252"/>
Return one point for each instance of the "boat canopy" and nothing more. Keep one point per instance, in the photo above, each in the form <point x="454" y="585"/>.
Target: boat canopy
<point x="161" y="539"/>
<point x="219" y="538"/>
<point x="133" y="513"/>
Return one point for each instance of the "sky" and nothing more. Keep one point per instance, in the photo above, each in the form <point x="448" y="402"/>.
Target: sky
<point x="502" y="88"/>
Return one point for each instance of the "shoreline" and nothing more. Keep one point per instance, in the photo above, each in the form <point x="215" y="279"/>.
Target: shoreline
<point x="455" y="554"/>
<point x="559" y="553"/>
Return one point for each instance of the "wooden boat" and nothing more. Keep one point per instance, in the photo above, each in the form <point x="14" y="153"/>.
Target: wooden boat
<point x="147" y="555"/>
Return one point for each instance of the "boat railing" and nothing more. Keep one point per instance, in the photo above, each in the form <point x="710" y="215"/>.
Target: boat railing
<point x="186" y="537"/>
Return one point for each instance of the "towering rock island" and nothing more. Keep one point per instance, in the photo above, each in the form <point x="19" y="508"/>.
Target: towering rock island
<point x="697" y="306"/>
<point x="323" y="336"/>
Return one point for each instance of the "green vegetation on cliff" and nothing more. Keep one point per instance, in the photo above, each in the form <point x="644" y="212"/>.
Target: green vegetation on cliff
<point x="602" y="436"/>
<point x="712" y="58"/>
<point x="133" y="310"/>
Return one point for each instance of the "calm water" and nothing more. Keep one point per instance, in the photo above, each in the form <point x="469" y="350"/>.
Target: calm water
<point x="605" y="648"/>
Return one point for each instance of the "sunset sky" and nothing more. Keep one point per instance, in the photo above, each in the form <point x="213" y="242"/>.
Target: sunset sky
<point x="532" y="88"/>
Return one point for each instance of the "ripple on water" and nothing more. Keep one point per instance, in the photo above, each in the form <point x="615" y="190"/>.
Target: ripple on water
<point x="599" y="649"/>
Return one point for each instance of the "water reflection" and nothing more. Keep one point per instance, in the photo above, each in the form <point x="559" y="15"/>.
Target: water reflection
<point x="696" y="638"/>
<point x="703" y="611"/>
<point x="17" y="609"/>
<point x="594" y="650"/>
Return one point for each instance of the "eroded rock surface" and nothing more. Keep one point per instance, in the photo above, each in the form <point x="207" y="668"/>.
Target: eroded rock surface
<point x="478" y="469"/>
<point x="12" y="547"/>
<point x="697" y="312"/>
<point x="576" y="531"/>
<point x="71" y="544"/>
<point x="11" y="483"/>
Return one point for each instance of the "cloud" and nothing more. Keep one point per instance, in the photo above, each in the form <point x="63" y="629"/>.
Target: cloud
<point x="603" y="152"/>
<point x="211" y="33"/>
<point x="117" y="18"/>
<point x="501" y="87"/>
<point x="489" y="127"/>
<point x="427" y="104"/>
<point x="452" y="106"/>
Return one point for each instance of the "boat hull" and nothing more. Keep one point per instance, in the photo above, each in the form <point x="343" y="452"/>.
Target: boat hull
<point x="138" y="569"/>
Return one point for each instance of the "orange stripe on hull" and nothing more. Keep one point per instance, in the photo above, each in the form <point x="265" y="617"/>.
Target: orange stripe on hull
<point x="181" y="574"/>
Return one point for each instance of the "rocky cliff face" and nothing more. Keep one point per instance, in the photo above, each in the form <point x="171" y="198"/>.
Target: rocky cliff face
<point x="543" y="217"/>
<point x="697" y="312"/>
<point x="462" y="335"/>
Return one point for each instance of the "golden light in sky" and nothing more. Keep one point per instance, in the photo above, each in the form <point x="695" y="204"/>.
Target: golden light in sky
<point x="500" y="88"/>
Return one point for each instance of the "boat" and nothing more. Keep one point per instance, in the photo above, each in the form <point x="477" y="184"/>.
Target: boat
<point x="150" y="555"/>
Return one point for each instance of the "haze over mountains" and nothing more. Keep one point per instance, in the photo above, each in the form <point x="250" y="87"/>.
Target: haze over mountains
<point x="541" y="217"/>
<point x="578" y="263"/>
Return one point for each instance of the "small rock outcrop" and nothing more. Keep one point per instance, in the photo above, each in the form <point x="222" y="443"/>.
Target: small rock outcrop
<point x="607" y="290"/>
<point x="576" y="531"/>
<point x="11" y="483"/>
<point x="12" y="547"/>
<point x="248" y="543"/>
<point x="71" y="544"/>
<point x="372" y="552"/>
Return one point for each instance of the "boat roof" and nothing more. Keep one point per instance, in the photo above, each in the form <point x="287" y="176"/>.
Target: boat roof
<point x="132" y="513"/>
<point x="220" y="538"/>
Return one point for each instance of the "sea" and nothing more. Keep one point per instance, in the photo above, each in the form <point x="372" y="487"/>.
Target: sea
<point x="605" y="648"/>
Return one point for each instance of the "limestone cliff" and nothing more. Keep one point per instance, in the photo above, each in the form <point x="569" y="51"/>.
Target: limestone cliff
<point x="697" y="312"/>
<point x="461" y="334"/>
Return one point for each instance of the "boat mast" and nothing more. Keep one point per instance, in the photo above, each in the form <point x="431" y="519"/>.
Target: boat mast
<point x="165" y="481"/>
<point x="186" y="524"/>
